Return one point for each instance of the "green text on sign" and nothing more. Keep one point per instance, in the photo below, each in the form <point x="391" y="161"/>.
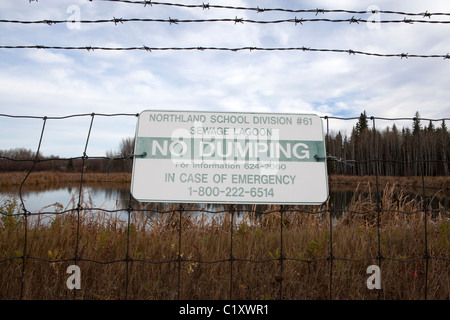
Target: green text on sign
<point x="230" y="150"/>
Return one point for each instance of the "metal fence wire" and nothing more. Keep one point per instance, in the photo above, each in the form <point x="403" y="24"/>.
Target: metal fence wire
<point x="230" y="212"/>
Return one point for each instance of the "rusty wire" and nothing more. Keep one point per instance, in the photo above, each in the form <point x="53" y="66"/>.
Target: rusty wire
<point x="179" y="261"/>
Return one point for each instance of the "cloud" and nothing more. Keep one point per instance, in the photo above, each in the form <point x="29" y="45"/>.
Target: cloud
<point x="52" y="82"/>
<point x="48" y="57"/>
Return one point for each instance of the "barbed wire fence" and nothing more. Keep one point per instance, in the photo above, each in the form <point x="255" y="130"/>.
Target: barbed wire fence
<point x="426" y="19"/>
<point x="232" y="211"/>
<point x="131" y="210"/>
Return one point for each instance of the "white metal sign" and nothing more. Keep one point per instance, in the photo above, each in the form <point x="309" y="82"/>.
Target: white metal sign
<point x="211" y="157"/>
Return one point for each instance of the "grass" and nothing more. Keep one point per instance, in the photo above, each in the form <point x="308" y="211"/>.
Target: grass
<point x="47" y="177"/>
<point x="152" y="242"/>
<point x="406" y="183"/>
<point x="15" y="178"/>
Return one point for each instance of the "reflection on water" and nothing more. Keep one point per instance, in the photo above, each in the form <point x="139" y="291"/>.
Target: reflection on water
<point x="117" y="197"/>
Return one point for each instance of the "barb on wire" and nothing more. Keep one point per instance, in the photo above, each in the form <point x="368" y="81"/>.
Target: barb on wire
<point x="353" y="20"/>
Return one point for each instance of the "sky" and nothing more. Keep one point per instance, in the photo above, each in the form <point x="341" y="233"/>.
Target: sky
<point x="46" y="82"/>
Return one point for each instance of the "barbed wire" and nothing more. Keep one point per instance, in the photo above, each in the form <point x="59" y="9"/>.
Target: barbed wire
<point x="200" y="48"/>
<point x="235" y="20"/>
<point x="205" y="6"/>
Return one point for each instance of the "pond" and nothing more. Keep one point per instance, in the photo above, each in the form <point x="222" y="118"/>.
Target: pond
<point x="117" y="196"/>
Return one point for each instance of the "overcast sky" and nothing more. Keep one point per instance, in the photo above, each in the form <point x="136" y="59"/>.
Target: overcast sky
<point x="45" y="82"/>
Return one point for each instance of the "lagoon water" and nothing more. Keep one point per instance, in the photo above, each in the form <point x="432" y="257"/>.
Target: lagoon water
<point x="117" y="196"/>
<point x="46" y="200"/>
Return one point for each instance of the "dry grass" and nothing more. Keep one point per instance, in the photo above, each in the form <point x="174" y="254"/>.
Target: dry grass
<point x="413" y="183"/>
<point x="152" y="242"/>
<point x="54" y="177"/>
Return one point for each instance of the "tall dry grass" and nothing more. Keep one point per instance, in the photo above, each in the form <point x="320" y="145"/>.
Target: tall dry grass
<point x="152" y="242"/>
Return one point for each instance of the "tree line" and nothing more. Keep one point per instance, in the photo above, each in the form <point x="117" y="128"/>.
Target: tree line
<point x="22" y="159"/>
<point x="409" y="151"/>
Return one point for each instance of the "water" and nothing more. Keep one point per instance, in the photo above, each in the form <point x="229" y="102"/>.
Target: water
<point x="117" y="196"/>
<point x="67" y="197"/>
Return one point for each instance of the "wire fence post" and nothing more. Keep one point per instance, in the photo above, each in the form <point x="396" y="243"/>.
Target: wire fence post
<point x="231" y="258"/>
<point x="26" y="213"/>
<point x="79" y="208"/>
<point x="127" y="256"/>
<point x="330" y="210"/>
<point x="180" y="257"/>
<point x="379" y="205"/>
<point x="426" y="256"/>
<point x="281" y="251"/>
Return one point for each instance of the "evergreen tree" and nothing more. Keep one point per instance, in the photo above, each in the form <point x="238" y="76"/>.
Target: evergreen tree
<point x="394" y="129"/>
<point x="416" y="123"/>
<point x="430" y="127"/>
<point x="362" y="123"/>
<point x="444" y="127"/>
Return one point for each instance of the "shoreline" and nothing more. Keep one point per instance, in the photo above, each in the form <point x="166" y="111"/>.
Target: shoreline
<point x="42" y="179"/>
<point x="11" y="178"/>
<point x="15" y="178"/>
